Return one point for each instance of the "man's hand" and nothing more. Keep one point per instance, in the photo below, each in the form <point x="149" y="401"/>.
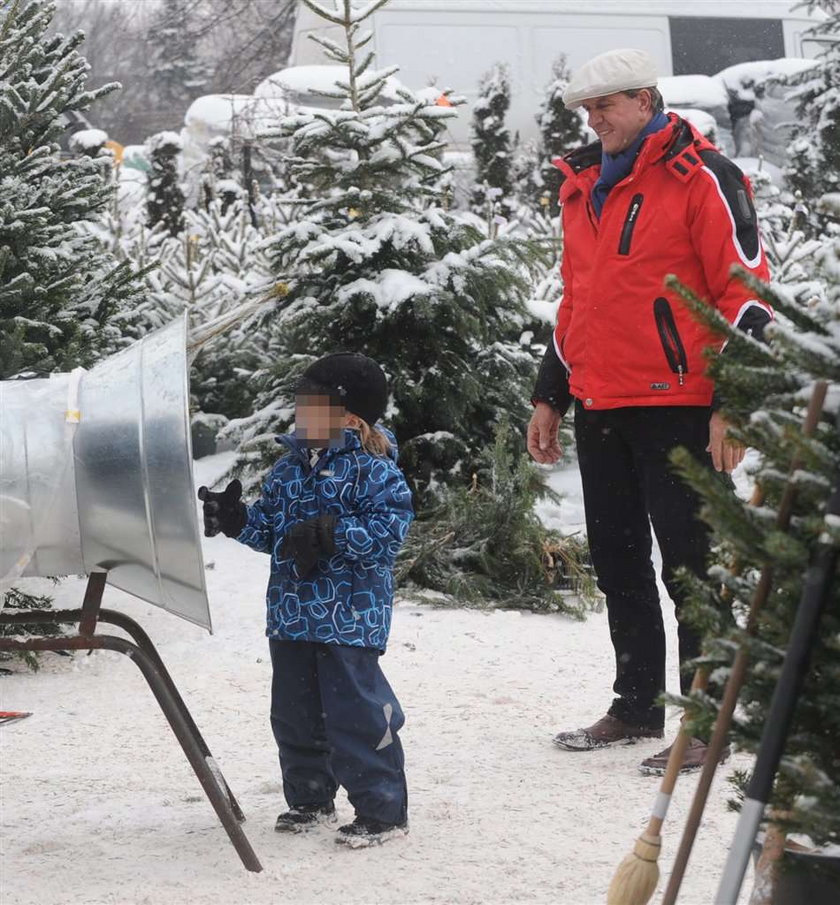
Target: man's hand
<point x="726" y="452"/>
<point x="542" y="434"/>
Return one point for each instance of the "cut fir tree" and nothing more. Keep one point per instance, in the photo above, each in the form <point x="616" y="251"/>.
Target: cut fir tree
<point x="165" y="201"/>
<point x="765" y="390"/>
<point x="492" y="147"/>
<point x="484" y="544"/>
<point x="375" y="263"/>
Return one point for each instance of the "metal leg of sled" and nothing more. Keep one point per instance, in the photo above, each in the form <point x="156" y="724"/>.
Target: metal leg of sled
<point x="142" y="640"/>
<point x="144" y="654"/>
<point x="211" y="781"/>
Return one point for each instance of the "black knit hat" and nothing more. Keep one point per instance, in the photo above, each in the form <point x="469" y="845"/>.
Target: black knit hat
<point x="353" y="379"/>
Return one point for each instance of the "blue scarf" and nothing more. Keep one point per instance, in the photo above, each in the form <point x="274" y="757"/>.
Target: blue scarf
<point x="614" y="167"/>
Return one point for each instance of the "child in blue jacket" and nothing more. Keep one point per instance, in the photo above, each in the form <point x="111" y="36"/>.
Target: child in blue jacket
<point x="333" y="514"/>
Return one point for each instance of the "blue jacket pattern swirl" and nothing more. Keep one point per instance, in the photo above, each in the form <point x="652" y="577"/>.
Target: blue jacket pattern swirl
<point x="348" y="598"/>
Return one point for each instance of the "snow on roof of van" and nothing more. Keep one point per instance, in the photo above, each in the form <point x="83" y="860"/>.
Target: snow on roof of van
<point x="218" y="109"/>
<point x="758" y="71"/>
<point x="85" y="139"/>
<point x="306" y="17"/>
<point x="217" y="112"/>
<point x="702" y="91"/>
<point x="301" y="78"/>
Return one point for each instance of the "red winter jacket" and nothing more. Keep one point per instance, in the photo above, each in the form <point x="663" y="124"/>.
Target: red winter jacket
<point x="685" y="209"/>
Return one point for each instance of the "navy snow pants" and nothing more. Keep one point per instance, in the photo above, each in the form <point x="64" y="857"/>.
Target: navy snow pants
<point x="629" y="483"/>
<point x="335" y="720"/>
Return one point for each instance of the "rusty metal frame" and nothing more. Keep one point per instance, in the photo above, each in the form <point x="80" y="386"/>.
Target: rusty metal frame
<point x="141" y="650"/>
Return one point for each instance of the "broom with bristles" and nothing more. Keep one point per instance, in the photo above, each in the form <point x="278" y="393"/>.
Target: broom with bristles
<point x="636" y="877"/>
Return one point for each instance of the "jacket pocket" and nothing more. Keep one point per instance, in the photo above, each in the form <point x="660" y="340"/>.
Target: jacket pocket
<point x="669" y="336"/>
<point x="630" y="224"/>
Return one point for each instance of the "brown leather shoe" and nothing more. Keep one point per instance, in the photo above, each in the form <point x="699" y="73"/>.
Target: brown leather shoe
<point x="694" y="759"/>
<point x="608" y="732"/>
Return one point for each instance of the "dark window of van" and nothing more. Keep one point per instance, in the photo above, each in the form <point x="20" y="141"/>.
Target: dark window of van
<point x="705" y="45"/>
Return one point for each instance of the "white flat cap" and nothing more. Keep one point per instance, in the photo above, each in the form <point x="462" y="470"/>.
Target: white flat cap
<point x="615" y="70"/>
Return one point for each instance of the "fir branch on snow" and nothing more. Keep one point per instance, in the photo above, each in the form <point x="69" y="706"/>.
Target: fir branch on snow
<point x="482" y="544"/>
<point x="15" y="599"/>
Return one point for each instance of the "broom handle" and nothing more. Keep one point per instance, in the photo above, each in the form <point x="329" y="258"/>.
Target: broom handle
<point x="672" y="769"/>
<point x="812" y="604"/>
<point x="678" y="749"/>
<point x="739" y="666"/>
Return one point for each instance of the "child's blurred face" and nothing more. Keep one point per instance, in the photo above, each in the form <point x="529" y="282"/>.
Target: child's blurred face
<point x="319" y="420"/>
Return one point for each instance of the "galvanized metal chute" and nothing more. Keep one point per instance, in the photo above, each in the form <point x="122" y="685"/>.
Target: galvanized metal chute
<point x="96" y="479"/>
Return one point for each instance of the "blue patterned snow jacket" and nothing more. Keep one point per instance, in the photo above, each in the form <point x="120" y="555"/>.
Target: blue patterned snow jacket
<point x="348" y="598"/>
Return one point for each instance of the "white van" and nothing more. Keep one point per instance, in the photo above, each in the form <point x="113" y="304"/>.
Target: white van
<point x="452" y="43"/>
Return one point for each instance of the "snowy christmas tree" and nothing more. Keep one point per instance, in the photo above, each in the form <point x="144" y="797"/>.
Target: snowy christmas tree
<point x="178" y="74"/>
<point x="793" y="255"/>
<point x="815" y="148"/>
<point x="234" y="266"/>
<point x="219" y="178"/>
<point x="492" y="147"/>
<point x="536" y="179"/>
<point x="561" y="130"/>
<point x="766" y="388"/>
<point x="212" y="267"/>
<point x="165" y="202"/>
<point x="62" y="293"/>
<point x="64" y="298"/>
<point x="375" y="263"/>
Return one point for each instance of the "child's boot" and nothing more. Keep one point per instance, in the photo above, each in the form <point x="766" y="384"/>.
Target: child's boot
<point x="305" y="817"/>
<point x="365" y="831"/>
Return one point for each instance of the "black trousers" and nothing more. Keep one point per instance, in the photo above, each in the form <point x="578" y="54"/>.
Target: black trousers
<point x="336" y="721"/>
<point x="629" y="484"/>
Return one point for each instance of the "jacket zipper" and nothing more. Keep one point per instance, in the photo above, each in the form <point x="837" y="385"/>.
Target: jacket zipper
<point x="630" y="224"/>
<point x="670" y="338"/>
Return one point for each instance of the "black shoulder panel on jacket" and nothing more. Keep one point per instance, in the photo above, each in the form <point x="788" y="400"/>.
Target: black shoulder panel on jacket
<point x="585" y="157"/>
<point x="683" y="139"/>
<point x="734" y="192"/>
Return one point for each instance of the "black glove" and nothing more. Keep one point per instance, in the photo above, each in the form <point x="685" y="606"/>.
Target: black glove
<point x="307" y="541"/>
<point x="223" y="511"/>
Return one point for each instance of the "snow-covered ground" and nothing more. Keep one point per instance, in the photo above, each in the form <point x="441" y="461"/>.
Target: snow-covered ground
<point x="100" y="806"/>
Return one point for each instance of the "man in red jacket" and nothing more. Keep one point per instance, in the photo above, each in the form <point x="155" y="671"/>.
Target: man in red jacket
<point x="652" y="197"/>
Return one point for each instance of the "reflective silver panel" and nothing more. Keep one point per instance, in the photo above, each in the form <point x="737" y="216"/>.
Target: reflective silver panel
<point x="126" y="500"/>
<point x="39" y="525"/>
